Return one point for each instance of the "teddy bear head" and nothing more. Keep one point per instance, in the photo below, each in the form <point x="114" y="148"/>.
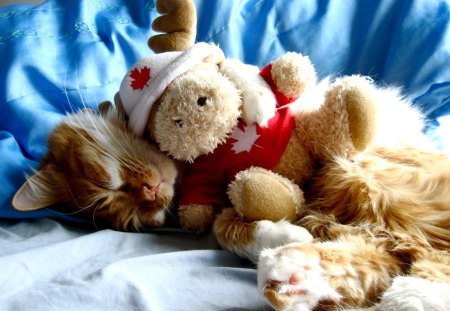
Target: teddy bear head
<point x="194" y="114"/>
<point x="175" y="99"/>
<point x="188" y="102"/>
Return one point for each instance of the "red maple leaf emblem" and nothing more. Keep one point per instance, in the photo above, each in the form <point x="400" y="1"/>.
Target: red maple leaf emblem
<point x="140" y="78"/>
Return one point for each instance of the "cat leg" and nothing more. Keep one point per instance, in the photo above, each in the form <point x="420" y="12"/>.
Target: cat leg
<point x="326" y="227"/>
<point x="433" y="265"/>
<point x="415" y="294"/>
<point x="248" y="238"/>
<point x="347" y="272"/>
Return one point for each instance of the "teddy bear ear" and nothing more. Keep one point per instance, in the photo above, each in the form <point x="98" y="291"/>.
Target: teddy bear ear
<point x="216" y="56"/>
<point x="178" y="24"/>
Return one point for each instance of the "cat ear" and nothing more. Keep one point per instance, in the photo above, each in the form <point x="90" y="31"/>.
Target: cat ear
<point x="39" y="191"/>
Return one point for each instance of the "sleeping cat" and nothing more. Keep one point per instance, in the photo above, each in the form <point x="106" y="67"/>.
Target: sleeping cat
<point x="97" y="168"/>
<point x="384" y="213"/>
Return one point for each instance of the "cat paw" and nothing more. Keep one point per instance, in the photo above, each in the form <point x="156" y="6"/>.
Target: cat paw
<point x="274" y="234"/>
<point x="290" y="277"/>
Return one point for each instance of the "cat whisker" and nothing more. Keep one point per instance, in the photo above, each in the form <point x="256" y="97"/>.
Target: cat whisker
<point x="103" y="131"/>
<point x="93" y="218"/>
<point x="79" y="85"/>
<point x="65" y="91"/>
<point x="103" y="146"/>
<point x="90" y="156"/>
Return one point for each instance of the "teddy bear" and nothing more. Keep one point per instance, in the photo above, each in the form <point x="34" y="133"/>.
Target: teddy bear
<point x="223" y="117"/>
<point x="172" y="98"/>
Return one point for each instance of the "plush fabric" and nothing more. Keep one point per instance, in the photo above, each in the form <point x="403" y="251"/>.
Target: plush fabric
<point x="149" y="77"/>
<point x="62" y="55"/>
<point x="206" y="180"/>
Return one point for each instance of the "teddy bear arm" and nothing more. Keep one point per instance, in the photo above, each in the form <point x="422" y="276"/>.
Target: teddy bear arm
<point x="292" y="73"/>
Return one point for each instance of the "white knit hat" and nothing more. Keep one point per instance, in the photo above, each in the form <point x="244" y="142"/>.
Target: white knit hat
<point x="149" y="77"/>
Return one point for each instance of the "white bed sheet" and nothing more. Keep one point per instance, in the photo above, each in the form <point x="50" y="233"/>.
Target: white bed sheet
<point x="46" y="265"/>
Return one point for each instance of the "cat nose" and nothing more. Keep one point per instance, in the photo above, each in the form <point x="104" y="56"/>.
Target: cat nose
<point x="149" y="192"/>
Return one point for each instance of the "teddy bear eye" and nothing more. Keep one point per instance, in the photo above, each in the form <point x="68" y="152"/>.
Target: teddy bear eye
<point x="179" y="122"/>
<point x="201" y="101"/>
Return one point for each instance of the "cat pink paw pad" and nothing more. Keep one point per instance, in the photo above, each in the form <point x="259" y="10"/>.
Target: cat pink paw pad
<point x="290" y="277"/>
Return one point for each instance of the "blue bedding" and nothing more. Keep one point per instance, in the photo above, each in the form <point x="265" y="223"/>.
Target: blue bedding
<point x="66" y="54"/>
<point x="63" y="55"/>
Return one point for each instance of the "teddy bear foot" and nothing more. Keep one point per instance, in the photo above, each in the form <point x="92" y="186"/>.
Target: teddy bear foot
<point x="357" y="93"/>
<point x="196" y="217"/>
<point x="259" y="194"/>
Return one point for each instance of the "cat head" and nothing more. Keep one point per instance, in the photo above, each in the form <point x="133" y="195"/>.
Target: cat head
<point x="97" y="168"/>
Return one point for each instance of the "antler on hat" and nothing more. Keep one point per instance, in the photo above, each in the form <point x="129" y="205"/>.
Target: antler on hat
<point x="149" y="77"/>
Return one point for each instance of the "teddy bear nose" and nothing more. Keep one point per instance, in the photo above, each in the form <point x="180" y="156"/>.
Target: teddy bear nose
<point x="179" y="122"/>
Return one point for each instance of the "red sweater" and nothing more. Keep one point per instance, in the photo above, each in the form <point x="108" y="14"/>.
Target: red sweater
<point x="207" y="179"/>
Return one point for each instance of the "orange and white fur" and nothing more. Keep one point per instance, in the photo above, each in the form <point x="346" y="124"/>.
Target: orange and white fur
<point x="379" y="215"/>
<point x="97" y="168"/>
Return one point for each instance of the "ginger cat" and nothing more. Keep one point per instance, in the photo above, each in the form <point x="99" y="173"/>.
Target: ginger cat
<point x="97" y="168"/>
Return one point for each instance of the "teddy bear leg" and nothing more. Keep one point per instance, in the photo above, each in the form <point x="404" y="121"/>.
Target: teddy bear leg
<point x="347" y="121"/>
<point x="260" y="194"/>
<point x="196" y="217"/>
<point x="263" y="204"/>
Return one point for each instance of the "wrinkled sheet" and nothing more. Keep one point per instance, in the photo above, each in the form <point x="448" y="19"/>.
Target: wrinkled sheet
<point x="65" y="54"/>
<point x="45" y="265"/>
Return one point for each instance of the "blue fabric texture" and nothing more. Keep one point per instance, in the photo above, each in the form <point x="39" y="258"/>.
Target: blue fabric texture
<point x="65" y="54"/>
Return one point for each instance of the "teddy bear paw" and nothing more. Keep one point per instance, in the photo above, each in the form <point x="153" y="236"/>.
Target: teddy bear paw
<point x="260" y="194"/>
<point x="293" y="73"/>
